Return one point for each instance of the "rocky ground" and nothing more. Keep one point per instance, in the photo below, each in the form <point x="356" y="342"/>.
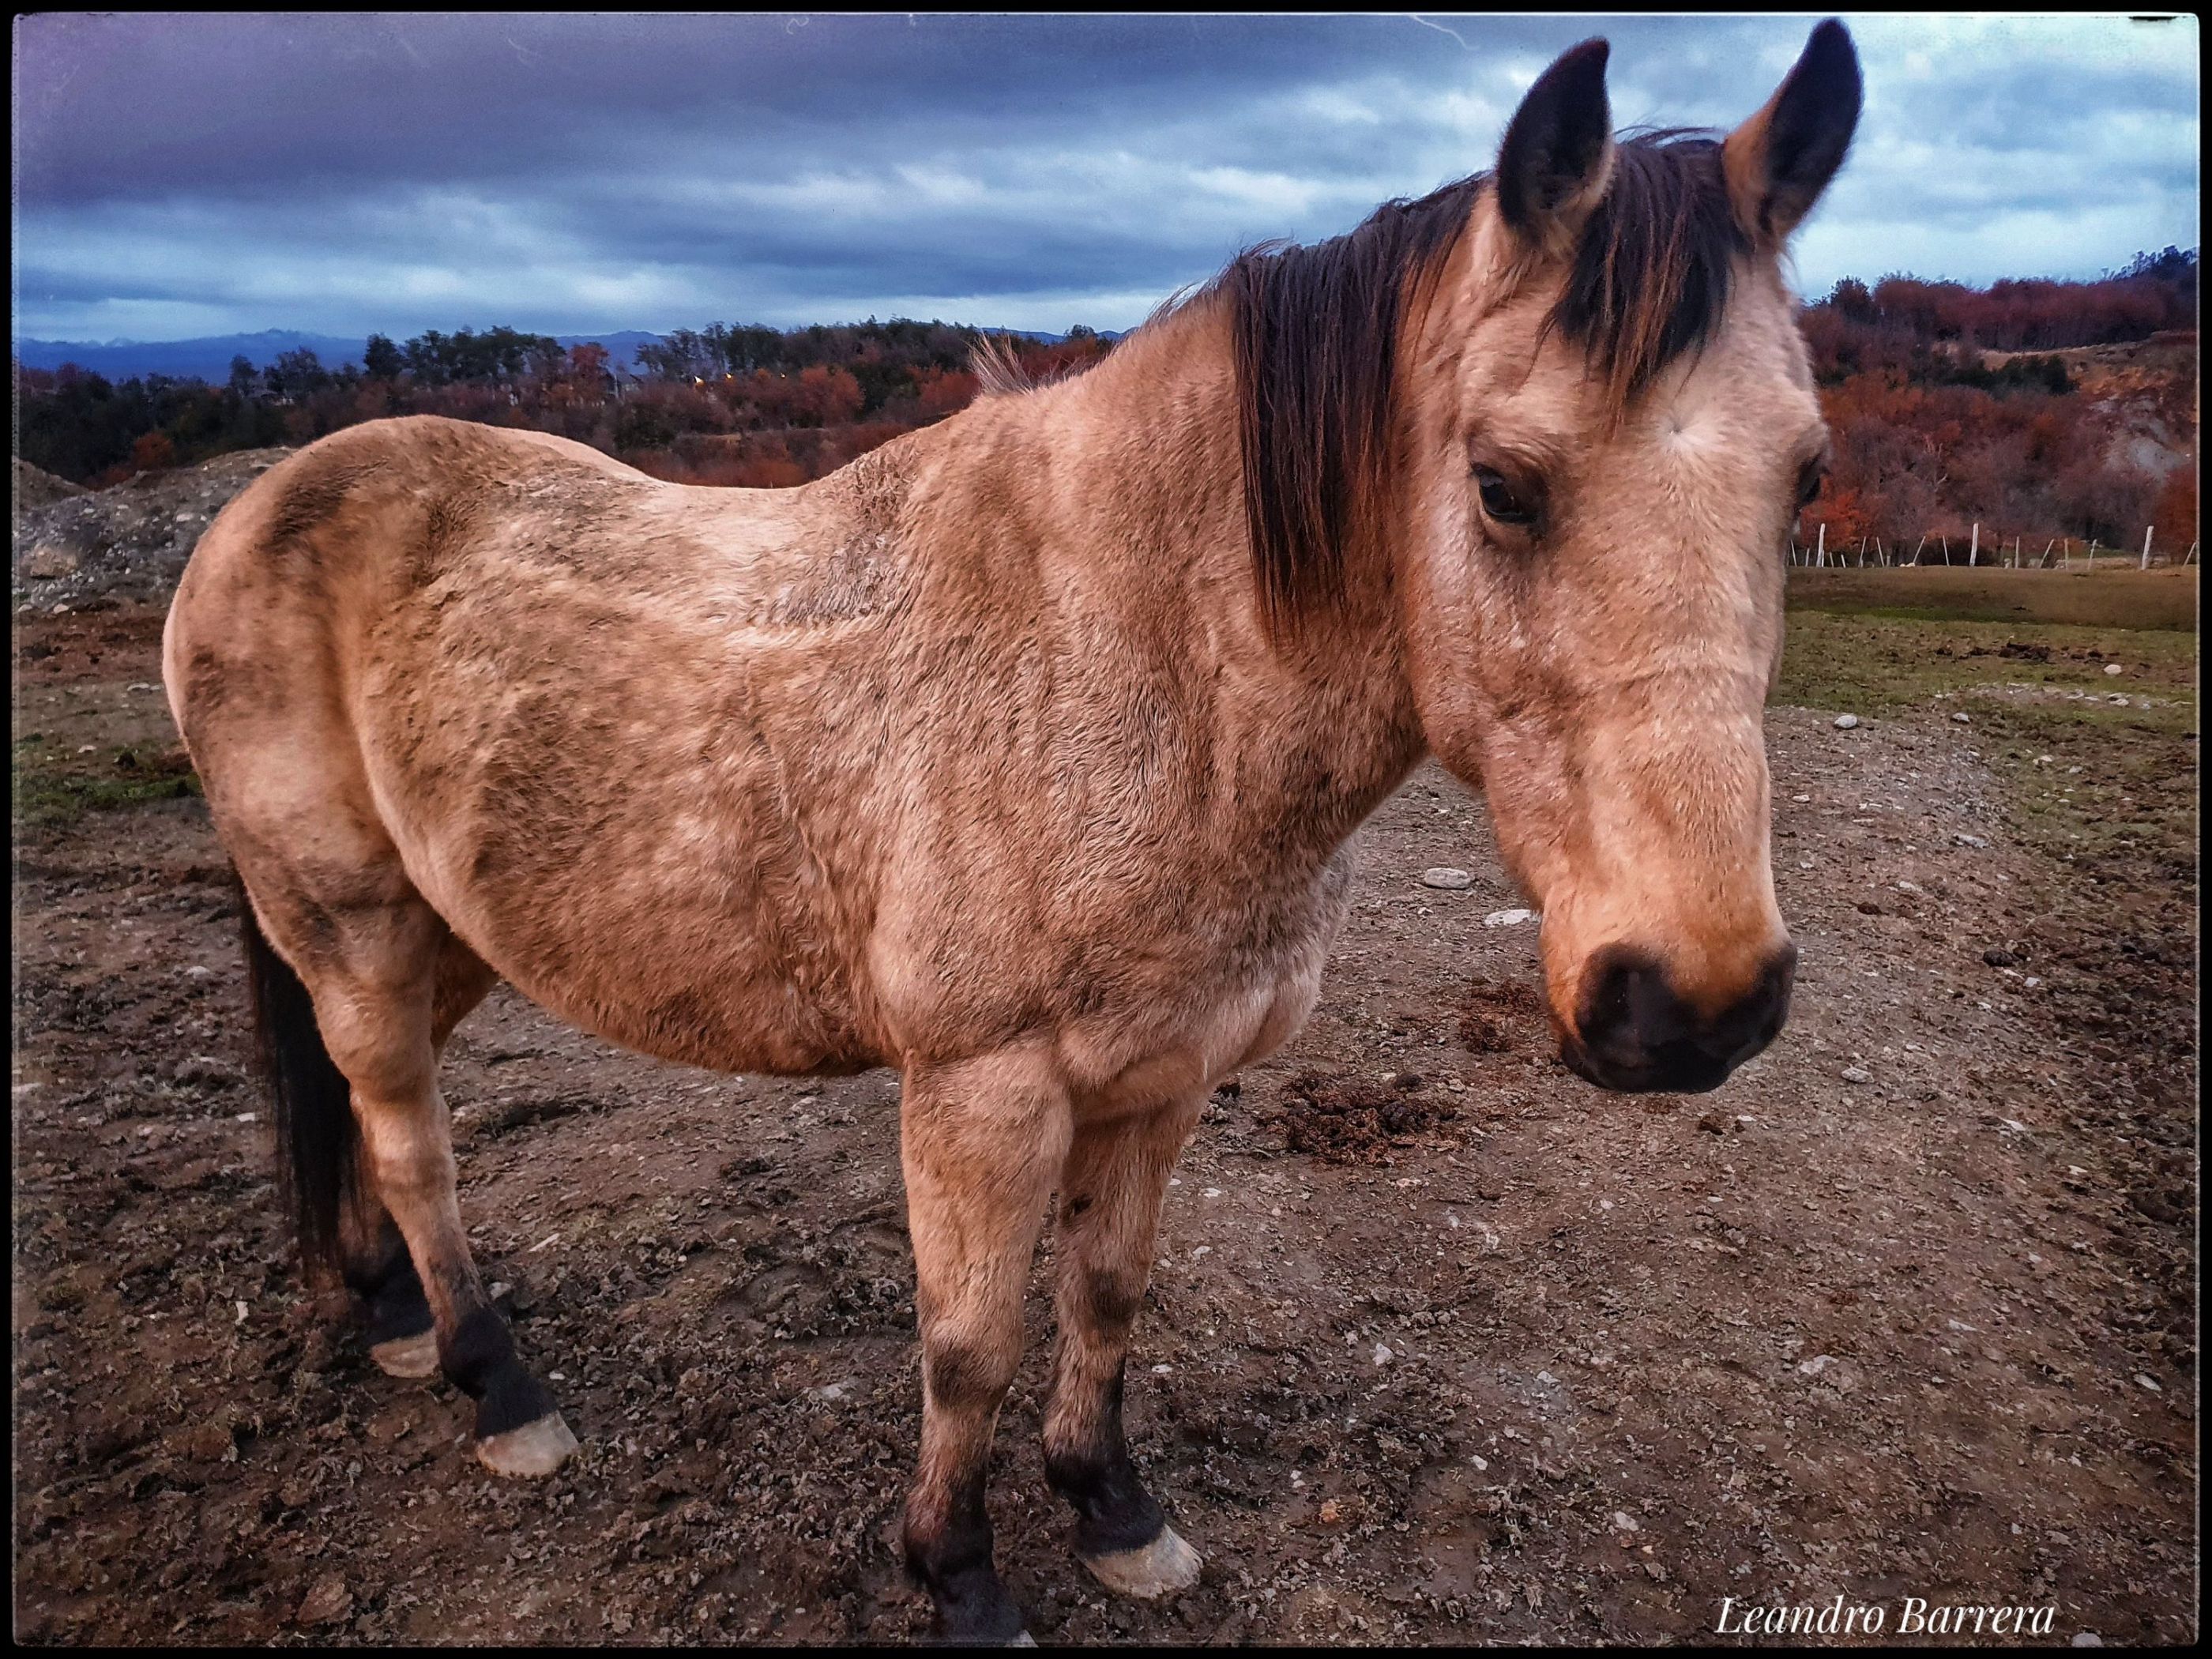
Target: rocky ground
<point x="1442" y="1344"/>
<point x="75" y="547"/>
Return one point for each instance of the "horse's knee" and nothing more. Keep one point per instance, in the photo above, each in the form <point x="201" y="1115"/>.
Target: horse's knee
<point x="963" y="1376"/>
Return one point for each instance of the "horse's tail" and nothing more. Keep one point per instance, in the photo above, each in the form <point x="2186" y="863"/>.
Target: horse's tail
<point x="318" y="1140"/>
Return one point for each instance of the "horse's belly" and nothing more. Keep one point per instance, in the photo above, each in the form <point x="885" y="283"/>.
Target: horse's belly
<point x="724" y="1021"/>
<point x="705" y="962"/>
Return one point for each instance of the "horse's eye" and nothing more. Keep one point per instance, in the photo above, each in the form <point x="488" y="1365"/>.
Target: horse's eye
<point x="1810" y="477"/>
<point x="1501" y="501"/>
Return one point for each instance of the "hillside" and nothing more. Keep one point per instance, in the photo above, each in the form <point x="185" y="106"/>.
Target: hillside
<point x="2027" y="415"/>
<point x="88" y="550"/>
<point x="36" y="487"/>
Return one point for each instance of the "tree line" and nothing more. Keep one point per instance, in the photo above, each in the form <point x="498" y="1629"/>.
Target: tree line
<point x="728" y="403"/>
<point x="1946" y="405"/>
<point x="1947" y="412"/>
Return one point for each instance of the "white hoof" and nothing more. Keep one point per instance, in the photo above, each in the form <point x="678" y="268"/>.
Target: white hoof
<point x="534" y="1449"/>
<point x="1166" y="1564"/>
<point x="407" y="1356"/>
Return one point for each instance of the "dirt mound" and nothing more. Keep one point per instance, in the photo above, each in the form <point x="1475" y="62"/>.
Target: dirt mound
<point x="36" y="487"/>
<point x="1500" y="1018"/>
<point x="1341" y="1120"/>
<point x="94" y="548"/>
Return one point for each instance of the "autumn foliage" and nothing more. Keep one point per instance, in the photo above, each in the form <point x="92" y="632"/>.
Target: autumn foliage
<point x="2039" y="411"/>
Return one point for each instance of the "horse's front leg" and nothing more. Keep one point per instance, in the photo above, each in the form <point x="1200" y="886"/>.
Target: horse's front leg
<point x="1110" y="1190"/>
<point x="981" y="1143"/>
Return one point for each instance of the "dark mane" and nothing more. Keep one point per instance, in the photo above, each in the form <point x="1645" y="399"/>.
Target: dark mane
<point x="1317" y="331"/>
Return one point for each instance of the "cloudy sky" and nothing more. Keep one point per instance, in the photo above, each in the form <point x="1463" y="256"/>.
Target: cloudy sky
<point x="189" y="175"/>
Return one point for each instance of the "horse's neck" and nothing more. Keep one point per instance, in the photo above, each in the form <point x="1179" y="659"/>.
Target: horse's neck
<point x="1110" y="509"/>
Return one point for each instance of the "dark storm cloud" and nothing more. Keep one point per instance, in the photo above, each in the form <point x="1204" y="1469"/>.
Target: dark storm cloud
<point x="186" y="174"/>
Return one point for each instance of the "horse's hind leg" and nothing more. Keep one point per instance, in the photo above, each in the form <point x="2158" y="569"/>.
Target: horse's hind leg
<point x="372" y="1253"/>
<point x="1116" y="1175"/>
<point x="403" y="1335"/>
<point x="369" y="952"/>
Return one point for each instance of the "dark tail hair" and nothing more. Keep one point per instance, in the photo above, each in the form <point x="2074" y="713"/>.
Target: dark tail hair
<point x="317" y="1142"/>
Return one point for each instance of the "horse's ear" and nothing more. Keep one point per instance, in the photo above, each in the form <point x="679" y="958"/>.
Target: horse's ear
<point x="1557" y="159"/>
<point x="1780" y="160"/>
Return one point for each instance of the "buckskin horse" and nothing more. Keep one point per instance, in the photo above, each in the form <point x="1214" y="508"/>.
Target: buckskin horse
<point x="1022" y="754"/>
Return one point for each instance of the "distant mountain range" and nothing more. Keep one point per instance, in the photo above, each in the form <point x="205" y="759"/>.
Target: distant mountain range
<point x="208" y="358"/>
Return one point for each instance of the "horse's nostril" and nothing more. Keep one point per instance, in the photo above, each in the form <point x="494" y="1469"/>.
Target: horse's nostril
<point x="1637" y="1032"/>
<point x="1628" y="1005"/>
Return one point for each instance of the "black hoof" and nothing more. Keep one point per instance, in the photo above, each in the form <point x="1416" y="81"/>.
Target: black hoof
<point x="973" y="1608"/>
<point x="512" y="1399"/>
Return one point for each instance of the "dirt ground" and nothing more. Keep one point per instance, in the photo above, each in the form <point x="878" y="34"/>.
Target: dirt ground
<point x="1904" y="1310"/>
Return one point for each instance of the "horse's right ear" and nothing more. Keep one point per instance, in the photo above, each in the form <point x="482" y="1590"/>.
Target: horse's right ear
<point x="1557" y="159"/>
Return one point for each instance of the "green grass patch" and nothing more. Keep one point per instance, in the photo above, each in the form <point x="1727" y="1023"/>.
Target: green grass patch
<point x="2087" y="779"/>
<point x="54" y="786"/>
<point x="2163" y="599"/>
<point x="1881" y="662"/>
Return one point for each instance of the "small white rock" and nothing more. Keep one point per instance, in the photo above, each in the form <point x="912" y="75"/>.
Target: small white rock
<point x="2087" y="1638"/>
<point x="1963" y="718"/>
<point x="1965" y="840"/>
<point x="1508" y="918"/>
<point x="2118" y="698"/>
<point x="1444" y="875"/>
<point x="1857" y="1074"/>
<point x="2114" y="668"/>
<point x="1845" y="722"/>
<point x="1382" y="1354"/>
<point x="2150" y="1383"/>
<point x="1817" y="1364"/>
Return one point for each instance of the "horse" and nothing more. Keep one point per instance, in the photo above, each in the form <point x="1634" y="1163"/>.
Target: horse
<point x="1024" y="753"/>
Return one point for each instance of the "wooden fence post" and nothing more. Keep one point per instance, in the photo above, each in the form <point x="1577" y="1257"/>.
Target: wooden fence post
<point x="1821" y="556"/>
<point x="2145" y="565"/>
<point x="1917" y="545"/>
<point x="1974" y="547"/>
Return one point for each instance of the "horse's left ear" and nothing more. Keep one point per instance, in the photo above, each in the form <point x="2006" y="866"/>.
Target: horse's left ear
<point x="1780" y="160"/>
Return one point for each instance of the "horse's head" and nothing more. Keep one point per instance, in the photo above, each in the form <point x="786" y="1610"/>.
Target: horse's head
<point x="1607" y="423"/>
